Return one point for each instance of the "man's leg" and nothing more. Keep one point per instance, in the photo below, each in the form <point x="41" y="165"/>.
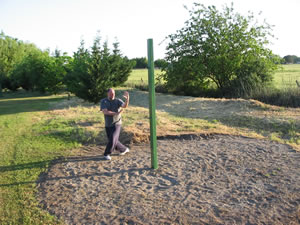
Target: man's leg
<point x="113" y="134"/>
<point x="119" y="146"/>
<point x="109" y="134"/>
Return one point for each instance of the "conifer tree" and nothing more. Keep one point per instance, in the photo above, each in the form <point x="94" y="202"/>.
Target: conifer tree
<point x="93" y="72"/>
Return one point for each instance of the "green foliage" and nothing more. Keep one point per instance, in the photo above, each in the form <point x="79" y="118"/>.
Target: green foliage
<point x="219" y="49"/>
<point x="40" y="72"/>
<point x="140" y="63"/>
<point x="92" y="73"/>
<point x="24" y="65"/>
<point x="160" y="63"/>
<point x="291" y="59"/>
<point x="12" y="51"/>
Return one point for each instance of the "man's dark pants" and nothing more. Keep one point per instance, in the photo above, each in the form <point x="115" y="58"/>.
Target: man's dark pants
<point x="113" y="134"/>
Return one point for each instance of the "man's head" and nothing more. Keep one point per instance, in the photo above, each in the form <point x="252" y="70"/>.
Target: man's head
<point x="111" y="94"/>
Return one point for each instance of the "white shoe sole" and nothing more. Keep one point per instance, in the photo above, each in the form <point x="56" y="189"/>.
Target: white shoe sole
<point x="126" y="151"/>
<point x="107" y="157"/>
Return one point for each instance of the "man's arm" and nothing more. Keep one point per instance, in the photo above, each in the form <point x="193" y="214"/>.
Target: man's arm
<point x="110" y="113"/>
<point x="126" y="103"/>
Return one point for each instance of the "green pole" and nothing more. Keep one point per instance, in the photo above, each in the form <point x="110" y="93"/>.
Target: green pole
<point x="152" y="105"/>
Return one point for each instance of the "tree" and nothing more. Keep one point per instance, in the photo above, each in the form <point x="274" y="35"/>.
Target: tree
<point x="60" y="68"/>
<point x="38" y="71"/>
<point x="140" y="63"/>
<point x="12" y="52"/>
<point x="290" y="59"/>
<point x="160" y="63"/>
<point x="219" y="49"/>
<point x="92" y="73"/>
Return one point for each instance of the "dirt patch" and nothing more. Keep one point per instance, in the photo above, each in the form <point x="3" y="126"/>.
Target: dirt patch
<point x="216" y="179"/>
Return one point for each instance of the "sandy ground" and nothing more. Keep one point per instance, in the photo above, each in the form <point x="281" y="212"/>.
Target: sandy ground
<point x="216" y="179"/>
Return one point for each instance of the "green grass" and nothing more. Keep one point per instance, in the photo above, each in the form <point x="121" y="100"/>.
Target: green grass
<point x="286" y="78"/>
<point x="26" y="150"/>
<point x="140" y="76"/>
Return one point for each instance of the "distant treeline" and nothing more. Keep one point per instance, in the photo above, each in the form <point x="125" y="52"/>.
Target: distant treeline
<point x="291" y="59"/>
<point x="142" y="63"/>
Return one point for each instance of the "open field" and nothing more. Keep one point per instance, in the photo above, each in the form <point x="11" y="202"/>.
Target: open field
<point x="140" y="76"/>
<point x="284" y="78"/>
<point x="37" y="130"/>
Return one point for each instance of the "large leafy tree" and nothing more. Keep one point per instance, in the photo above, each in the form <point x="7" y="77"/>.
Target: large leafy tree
<point x="12" y="52"/>
<point x="38" y="71"/>
<point x="93" y="72"/>
<point x="221" y="49"/>
<point x="24" y="65"/>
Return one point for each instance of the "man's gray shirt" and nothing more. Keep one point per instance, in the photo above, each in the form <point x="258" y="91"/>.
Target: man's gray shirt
<point x="114" y="106"/>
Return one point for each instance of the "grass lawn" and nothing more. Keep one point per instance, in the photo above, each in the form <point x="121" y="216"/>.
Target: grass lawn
<point x="26" y="150"/>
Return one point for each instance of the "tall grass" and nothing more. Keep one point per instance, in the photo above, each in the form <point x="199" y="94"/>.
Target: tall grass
<point x="288" y="97"/>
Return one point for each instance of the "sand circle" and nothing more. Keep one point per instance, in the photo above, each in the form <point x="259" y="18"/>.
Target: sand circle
<point x="218" y="179"/>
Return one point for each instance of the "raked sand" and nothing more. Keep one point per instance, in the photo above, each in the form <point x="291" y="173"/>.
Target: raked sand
<point x="217" y="179"/>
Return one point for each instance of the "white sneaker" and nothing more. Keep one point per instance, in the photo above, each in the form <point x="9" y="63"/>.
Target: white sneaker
<point x="123" y="153"/>
<point x="107" y="157"/>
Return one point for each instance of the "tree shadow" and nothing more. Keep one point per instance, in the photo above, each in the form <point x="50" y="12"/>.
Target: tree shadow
<point x="20" y="105"/>
<point x="32" y="165"/>
<point x="44" y="176"/>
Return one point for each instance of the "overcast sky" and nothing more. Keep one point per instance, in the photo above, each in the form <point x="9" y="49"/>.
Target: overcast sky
<point x="63" y="23"/>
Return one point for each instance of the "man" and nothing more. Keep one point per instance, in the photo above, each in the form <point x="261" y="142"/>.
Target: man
<point x="112" y="110"/>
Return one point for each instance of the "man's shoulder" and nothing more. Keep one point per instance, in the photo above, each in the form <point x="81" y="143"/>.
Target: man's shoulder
<point x="115" y="101"/>
<point x="104" y="100"/>
<point x="120" y="101"/>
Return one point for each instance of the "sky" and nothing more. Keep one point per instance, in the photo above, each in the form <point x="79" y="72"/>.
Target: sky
<point x="62" y="24"/>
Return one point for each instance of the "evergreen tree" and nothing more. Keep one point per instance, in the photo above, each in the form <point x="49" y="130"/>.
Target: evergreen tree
<point x="93" y="72"/>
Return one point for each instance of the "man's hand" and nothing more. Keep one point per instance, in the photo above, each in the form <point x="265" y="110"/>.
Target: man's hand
<point x="126" y="96"/>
